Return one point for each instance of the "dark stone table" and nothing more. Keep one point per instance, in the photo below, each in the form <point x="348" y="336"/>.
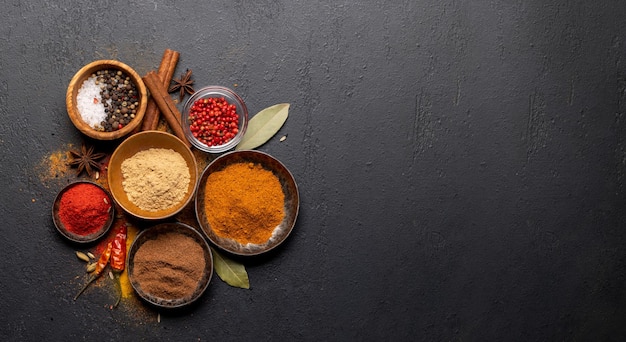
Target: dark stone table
<point x="461" y="166"/>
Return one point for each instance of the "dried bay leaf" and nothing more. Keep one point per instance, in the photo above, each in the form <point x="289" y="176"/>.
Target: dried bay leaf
<point x="264" y="125"/>
<point x="231" y="272"/>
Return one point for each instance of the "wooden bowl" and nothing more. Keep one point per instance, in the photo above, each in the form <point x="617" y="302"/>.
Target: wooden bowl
<point x="77" y="81"/>
<point x="140" y="142"/>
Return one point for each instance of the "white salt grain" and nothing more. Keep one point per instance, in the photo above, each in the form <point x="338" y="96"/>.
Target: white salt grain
<point x="89" y="103"/>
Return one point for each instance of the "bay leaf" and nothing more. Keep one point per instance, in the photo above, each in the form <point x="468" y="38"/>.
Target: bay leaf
<point x="263" y="126"/>
<point x="230" y="271"/>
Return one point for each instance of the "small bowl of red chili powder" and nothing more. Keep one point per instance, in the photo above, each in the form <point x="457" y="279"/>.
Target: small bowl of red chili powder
<point x="214" y="119"/>
<point x="83" y="211"/>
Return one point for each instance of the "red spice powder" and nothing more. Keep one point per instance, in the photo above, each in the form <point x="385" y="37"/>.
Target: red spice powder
<point x="84" y="208"/>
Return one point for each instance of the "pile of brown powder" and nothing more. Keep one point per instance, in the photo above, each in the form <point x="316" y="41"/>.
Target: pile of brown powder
<point x="170" y="266"/>
<point x="155" y="179"/>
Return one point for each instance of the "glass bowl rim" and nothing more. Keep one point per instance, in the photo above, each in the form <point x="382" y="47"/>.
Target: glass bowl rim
<point x="216" y="91"/>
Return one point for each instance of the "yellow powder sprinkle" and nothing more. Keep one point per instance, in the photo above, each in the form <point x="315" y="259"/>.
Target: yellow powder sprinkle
<point x="127" y="289"/>
<point x="54" y="165"/>
<point x="202" y="159"/>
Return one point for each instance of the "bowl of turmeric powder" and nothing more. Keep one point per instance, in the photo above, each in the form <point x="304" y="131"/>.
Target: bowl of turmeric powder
<point x="247" y="202"/>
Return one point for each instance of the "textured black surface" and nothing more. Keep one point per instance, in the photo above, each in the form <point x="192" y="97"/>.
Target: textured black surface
<point x="461" y="166"/>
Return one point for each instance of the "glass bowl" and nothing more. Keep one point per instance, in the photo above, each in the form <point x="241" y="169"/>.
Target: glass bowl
<point x="215" y="92"/>
<point x="161" y="234"/>
<point x="73" y="236"/>
<point x="291" y="201"/>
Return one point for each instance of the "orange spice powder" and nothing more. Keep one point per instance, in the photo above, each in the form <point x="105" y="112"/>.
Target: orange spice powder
<point x="244" y="202"/>
<point x="54" y="166"/>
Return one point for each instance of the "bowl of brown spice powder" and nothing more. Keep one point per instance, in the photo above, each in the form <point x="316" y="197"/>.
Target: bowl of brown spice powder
<point x="247" y="202"/>
<point x="170" y="265"/>
<point x="152" y="175"/>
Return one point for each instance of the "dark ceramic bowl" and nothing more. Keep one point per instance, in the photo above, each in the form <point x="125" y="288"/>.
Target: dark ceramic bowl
<point x="76" y="237"/>
<point x="291" y="204"/>
<point x="157" y="232"/>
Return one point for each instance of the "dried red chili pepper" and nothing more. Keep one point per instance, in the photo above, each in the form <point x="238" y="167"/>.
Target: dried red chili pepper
<point x="118" y="253"/>
<point x="118" y="258"/>
<point x="100" y="265"/>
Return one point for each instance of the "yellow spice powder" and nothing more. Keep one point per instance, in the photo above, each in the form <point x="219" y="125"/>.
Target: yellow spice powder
<point x="125" y="286"/>
<point x="156" y="179"/>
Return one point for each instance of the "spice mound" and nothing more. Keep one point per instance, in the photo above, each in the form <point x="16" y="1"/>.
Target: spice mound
<point x="244" y="202"/>
<point x="170" y="266"/>
<point x="155" y="179"/>
<point x="84" y="209"/>
<point x="108" y="100"/>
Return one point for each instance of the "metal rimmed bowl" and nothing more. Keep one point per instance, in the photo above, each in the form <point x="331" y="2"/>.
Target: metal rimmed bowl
<point x="160" y="233"/>
<point x="140" y="142"/>
<point x="61" y="228"/>
<point x="215" y="92"/>
<point x="76" y="83"/>
<point x="291" y="202"/>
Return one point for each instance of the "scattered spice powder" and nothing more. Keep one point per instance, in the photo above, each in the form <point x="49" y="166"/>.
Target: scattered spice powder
<point x="244" y="202"/>
<point x="53" y="166"/>
<point x="83" y="209"/>
<point x="156" y="179"/>
<point x="125" y="286"/>
<point x="170" y="266"/>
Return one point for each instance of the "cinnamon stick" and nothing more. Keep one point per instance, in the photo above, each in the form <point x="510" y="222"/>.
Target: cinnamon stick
<point x="165" y="72"/>
<point x="166" y="105"/>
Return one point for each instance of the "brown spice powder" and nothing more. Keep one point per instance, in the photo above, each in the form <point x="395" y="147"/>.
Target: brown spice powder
<point x="170" y="266"/>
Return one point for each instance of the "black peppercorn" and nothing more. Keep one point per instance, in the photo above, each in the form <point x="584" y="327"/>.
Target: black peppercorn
<point x="116" y="91"/>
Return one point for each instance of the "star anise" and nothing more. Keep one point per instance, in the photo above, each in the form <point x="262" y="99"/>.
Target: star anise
<point x="86" y="160"/>
<point x="183" y="84"/>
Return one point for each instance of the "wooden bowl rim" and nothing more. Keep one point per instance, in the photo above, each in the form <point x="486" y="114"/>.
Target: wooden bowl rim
<point x="76" y="83"/>
<point x="121" y="198"/>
